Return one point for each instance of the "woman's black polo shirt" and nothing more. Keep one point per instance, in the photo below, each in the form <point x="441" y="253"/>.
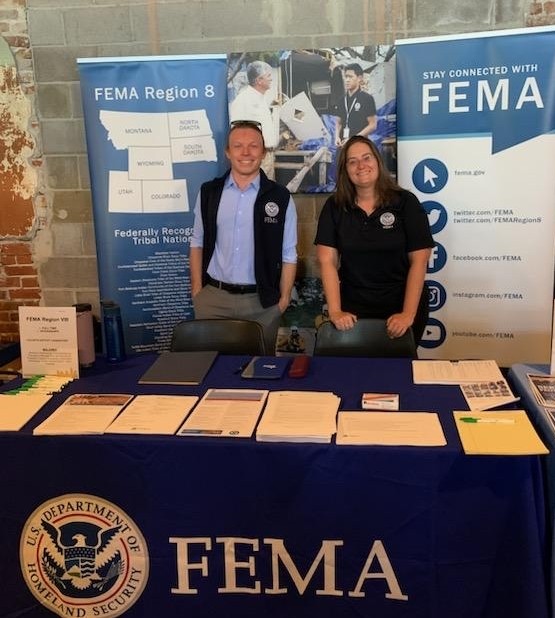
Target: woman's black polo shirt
<point x="373" y="252"/>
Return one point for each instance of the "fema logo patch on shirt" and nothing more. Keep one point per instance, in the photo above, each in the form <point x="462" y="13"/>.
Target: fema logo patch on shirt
<point x="271" y="209"/>
<point x="387" y="219"/>
<point x="83" y="556"/>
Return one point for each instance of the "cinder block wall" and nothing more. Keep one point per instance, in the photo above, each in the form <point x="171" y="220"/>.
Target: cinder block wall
<point x="47" y="250"/>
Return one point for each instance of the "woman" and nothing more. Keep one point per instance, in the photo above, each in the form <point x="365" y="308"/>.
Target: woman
<point x="373" y="244"/>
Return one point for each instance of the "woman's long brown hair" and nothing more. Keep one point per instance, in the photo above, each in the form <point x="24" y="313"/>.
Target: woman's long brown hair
<point x="345" y="190"/>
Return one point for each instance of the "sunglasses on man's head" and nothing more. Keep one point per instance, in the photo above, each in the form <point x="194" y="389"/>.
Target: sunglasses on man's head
<point x="245" y="124"/>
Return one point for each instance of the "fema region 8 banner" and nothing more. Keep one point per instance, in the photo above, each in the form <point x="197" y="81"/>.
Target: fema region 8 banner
<point x="154" y="129"/>
<point x="476" y="143"/>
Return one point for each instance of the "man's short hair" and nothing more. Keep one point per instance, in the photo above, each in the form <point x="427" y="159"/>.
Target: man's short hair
<point x="256" y="69"/>
<point x="356" y="68"/>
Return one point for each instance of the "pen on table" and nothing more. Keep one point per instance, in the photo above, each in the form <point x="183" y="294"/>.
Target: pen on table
<point x="241" y="368"/>
<point x="500" y="421"/>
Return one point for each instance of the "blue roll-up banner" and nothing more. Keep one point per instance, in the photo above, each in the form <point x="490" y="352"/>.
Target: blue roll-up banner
<point x="476" y="143"/>
<point x="156" y="128"/>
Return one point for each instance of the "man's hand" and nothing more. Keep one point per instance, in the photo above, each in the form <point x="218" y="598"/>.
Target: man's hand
<point x="195" y="290"/>
<point x="284" y="303"/>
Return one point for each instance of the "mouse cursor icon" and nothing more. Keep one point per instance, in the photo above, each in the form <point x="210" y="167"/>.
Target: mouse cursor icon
<point x="429" y="176"/>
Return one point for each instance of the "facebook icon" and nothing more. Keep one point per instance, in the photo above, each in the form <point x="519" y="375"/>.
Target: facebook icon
<point x="438" y="258"/>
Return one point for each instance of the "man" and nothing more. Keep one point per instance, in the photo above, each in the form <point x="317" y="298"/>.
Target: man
<point x="251" y="103"/>
<point x="243" y="250"/>
<point x="357" y="111"/>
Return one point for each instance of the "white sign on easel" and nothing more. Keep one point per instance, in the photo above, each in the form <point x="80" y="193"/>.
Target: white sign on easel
<point x="48" y="340"/>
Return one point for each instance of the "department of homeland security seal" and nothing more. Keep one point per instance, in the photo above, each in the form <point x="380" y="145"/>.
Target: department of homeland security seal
<point x="387" y="219"/>
<point x="83" y="556"/>
<point x="271" y="209"/>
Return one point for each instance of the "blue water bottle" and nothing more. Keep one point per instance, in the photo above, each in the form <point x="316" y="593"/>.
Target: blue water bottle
<point x="113" y="332"/>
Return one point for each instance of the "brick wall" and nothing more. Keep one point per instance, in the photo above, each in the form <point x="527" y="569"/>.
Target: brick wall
<point x="19" y="164"/>
<point x="20" y="286"/>
<point x="541" y="13"/>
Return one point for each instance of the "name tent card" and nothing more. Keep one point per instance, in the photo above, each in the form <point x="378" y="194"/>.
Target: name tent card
<point x="48" y="340"/>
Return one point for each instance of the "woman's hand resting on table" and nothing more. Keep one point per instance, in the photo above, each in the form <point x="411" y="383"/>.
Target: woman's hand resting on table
<point x="398" y="324"/>
<point x="343" y="320"/>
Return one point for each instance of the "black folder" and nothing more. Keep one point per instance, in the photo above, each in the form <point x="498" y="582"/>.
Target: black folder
<point x="179" y="368"/>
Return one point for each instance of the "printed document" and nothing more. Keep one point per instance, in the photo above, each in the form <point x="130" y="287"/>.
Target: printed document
<point x="390" y="428"/>
<point x="299" y="416"/>
<point x="153" y="414"/>
<point x="83" y="414"/>
<point x="487" y="395"/>
<point x="455" y="372"/>
<point x="226" y="413"/>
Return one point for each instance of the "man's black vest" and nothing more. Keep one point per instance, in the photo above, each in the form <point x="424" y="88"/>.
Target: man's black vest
<point x="270" y="207"/>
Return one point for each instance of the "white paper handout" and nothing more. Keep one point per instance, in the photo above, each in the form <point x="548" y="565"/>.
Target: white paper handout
<point x="487" y="395"/>
<point x="298" y="416"/>
<point x="225" y="413"/>
<point x="455" y="372"/>
<point x="153" y="414"/>
<point x="390" y="428"/>
<point x="83" y="414"/>
<point x="17" y="410"/>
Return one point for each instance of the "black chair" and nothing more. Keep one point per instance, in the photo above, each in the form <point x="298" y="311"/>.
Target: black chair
<point x="226" y="336"/>
<point x="367" y="338"/>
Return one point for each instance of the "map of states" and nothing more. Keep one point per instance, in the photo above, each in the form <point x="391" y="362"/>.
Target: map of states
<point x="155" y="141"/>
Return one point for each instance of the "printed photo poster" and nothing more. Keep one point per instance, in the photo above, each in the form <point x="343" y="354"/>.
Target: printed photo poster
<point x="309" y="101"/>
<point x="476" y="144"/>
<point x="156" y="130"/>
<point x="299" y="323"/>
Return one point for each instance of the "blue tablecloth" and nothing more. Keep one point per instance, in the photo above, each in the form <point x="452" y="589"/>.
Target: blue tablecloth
<point x="518" y="376"/>
<point x="238" y="528"/>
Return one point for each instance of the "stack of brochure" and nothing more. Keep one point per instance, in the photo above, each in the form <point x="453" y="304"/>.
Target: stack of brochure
<point x="298" y="416"/>
<point x="543" y="387"/>
<point x="225" y="413"/>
